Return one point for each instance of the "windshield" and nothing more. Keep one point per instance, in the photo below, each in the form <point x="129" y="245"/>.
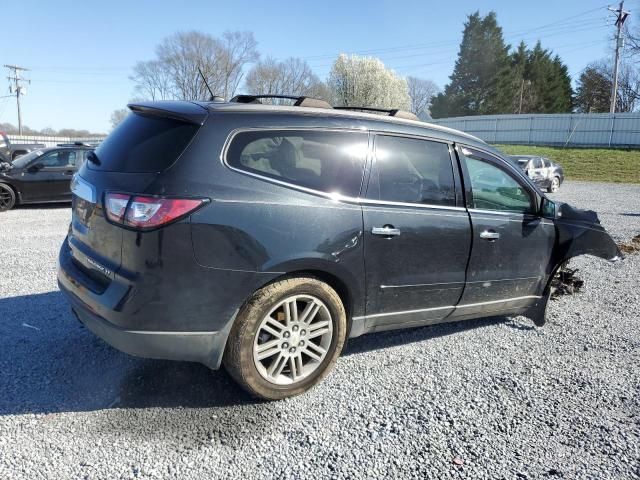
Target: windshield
<point x="24" y="160"/>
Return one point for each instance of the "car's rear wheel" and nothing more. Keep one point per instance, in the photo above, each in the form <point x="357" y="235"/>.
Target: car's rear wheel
<point x="286" y="338"/>
<point x="555" y="184"/>
<point x="7" y="197"/>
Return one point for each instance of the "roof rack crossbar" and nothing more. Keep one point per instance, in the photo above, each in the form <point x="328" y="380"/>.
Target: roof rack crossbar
<point x="300" y="101"/>
<point x="393" y="112"/>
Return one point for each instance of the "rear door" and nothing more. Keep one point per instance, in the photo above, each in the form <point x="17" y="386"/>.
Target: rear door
<point x="417" y="233"/>
<point x="512" y="244"/>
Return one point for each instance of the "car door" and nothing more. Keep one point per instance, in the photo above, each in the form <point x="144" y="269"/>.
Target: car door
<point x="48" y="177"/>
<point x="512" y="243"/>
<point x="417" y="234"/>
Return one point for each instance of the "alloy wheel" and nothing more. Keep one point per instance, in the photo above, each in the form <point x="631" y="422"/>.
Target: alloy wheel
<point x="7" y="198"/>
<point x="293" y="339"/>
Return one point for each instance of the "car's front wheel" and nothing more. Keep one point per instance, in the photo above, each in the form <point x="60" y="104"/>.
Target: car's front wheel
<point x="555" y="185"/>
<point x="7" y="197"/>
<point x="286" y="338"/>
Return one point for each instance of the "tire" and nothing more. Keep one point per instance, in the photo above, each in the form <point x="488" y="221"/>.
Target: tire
<point x="7" y="197"/>
<point x="268" y="345"/>
<point x="555" y="185"/>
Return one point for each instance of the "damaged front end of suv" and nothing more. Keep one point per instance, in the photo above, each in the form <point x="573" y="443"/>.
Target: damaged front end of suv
<point x="578" y="232"/>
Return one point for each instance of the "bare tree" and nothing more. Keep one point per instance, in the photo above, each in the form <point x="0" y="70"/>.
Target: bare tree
<point x="421" y="92"/>
<point x="292" y="76"/>
<point x="366" y="82"/>
<point x="174" y="73"/>
<point x="628" y="96"/>
<point x="117" y="116"/>
<point x="153" y="80"/>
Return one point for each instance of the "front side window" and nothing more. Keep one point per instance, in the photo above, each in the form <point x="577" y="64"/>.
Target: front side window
<point x="414" y="171"/>
<point x="59" y="158"/>
<point x="327" y="161"/>
<point x="494" y="188"/>
<point x="537" y="163"/>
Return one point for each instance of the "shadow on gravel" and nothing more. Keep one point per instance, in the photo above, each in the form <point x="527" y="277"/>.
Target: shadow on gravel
<point x="50" y="363"/>
<point x="376" y="341"/>
<point x="630" y="214"/>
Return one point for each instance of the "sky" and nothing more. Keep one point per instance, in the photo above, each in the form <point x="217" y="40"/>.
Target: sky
<point x="80" y="54"/>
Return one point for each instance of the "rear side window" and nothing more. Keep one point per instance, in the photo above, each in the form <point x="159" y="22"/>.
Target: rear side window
<point x="327" y="161"/>
<point x="143" y="143"/>
<point x="413" y="171"/>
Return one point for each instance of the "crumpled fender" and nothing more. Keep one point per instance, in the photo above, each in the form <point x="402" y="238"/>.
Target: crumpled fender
<point x="579" y="232"/>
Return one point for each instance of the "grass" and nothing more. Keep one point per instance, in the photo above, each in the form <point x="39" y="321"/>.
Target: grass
<point x="591" y="164"/>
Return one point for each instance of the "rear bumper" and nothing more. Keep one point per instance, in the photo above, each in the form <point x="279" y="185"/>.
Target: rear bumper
<point x="99" y="313"/>
<point x="203" y="347"/>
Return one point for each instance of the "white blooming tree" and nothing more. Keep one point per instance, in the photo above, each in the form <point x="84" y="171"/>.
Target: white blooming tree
<point x="365" y="82"/>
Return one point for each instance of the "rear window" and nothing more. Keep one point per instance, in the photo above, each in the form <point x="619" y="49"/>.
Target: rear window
<point x="327" y="161"/>
<point x="143" y="143"/>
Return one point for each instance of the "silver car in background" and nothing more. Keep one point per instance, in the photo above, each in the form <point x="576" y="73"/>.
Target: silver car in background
<point x="544" y="172"/>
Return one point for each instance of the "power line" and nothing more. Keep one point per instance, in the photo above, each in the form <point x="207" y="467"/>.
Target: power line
<point x="443" y="43"/>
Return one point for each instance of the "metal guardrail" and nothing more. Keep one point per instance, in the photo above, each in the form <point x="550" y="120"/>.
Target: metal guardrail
<point x="565" y="129"/>
<point x="51" y="141"/>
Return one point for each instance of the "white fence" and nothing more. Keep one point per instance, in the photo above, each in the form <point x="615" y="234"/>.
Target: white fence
<point x="584" y="130"/>
<point x="51" y="141"/>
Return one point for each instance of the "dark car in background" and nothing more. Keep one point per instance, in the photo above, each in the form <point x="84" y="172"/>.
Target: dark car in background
<point x="41" y="176"/>
<point x="10" y="151"/>
<point x="262" y="237"/>
<point x="546" y="173"/>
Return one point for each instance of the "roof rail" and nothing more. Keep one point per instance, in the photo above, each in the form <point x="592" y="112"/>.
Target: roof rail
<point x="394" y="112"/>
<point x="300" y="101"/>
<point x="75" y="144"/>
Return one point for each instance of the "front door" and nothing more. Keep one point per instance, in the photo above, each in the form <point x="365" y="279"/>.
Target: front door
<point x="48" y="178"/>
<point x="417" y="234"/>
<point x="512" y="243"/>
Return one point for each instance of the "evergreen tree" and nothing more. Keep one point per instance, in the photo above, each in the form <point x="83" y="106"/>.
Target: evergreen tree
<point x="488" y="79"/>
<point x="479" y="71"/>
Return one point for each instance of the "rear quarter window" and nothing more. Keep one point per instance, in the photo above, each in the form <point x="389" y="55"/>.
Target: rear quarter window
<point x="326" y="161"/>
<point x="143" y="143"/>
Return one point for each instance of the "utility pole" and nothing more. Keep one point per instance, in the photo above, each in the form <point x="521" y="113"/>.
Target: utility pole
<point x="17" y="88"/>
<point x="621" y="16"/>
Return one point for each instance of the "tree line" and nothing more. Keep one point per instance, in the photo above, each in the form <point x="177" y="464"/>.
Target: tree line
<point x="489" y="76"/>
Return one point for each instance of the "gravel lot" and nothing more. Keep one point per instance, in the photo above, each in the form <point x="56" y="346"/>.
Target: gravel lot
<point x="498" y="396"/>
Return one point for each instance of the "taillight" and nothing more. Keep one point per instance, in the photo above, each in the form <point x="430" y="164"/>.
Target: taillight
<point x="143" y="213"/>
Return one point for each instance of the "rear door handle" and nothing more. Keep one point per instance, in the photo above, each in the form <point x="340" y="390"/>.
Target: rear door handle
<point x="386" y="231"/>
<point x="490" y="235"/>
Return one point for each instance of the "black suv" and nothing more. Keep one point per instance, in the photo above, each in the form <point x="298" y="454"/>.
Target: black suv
<point x="41" y="176"/>
<point x="263" y="236"/>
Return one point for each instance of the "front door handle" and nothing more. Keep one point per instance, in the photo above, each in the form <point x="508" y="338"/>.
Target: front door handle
<point x="386" y="231"/>
<point x="490" y="235"/>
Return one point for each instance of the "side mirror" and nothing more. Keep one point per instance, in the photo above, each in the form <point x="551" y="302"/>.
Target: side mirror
<point x="35" y="168"/>
<point x="548" y="208"/>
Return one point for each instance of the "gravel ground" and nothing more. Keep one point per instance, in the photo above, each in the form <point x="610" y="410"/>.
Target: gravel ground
<point x="494" y="398"/>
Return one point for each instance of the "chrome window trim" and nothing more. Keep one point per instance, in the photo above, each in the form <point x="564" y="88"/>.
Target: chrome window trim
<point x="331" y="196"/>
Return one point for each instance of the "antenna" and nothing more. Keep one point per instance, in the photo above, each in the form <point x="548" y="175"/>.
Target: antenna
<point x="204" y="79"/>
